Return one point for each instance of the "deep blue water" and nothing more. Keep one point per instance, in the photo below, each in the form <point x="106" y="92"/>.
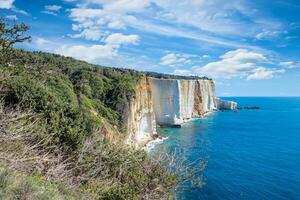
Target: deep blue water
<point x="251" y="154"/>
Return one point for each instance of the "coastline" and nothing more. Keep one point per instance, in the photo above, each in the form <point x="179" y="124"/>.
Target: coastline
<point x="151" y="144"/>
<point x="158" y="139"/>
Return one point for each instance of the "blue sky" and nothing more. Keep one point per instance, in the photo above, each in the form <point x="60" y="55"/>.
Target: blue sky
<point x="250" y="48"/>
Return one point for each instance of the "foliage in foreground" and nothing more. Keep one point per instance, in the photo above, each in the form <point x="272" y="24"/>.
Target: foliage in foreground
<point x="61" y="122"/>
<point x="99" y="170"/>
<point x="17" y="186"/>
<point x="61" y="125"/>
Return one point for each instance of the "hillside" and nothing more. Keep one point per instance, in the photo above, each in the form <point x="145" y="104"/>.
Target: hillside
<point x="63" y="127"/>
<point x="61" y="121"/>
<point x="77" y="98"/>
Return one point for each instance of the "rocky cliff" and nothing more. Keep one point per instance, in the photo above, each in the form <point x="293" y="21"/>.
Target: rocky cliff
<point x="169" y="102"/>
<point x="176" y="101"/>
<point x="141" y="124"/>
<point x="226" y="105"/>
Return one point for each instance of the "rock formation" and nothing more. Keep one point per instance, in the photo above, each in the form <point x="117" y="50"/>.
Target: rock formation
<point x="141" y="124"/>
<point x="226" y="105"/>
<point x="169" y="102"/>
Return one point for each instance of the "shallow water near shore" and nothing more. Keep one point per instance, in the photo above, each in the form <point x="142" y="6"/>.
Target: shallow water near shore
<point x="251" y="154"/>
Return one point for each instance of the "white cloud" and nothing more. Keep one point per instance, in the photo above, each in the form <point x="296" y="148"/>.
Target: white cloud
<point x="168" y="59"/>
<point x="89" y="34"/>
<point x="12" y="17"/>
<point x="173" y="59"/>
<point x="6" y="4"/>
<point x="45" y="44"/>
<point x="92" y="53"/>
<point x="263" y="73"/>
<point x="212" y="16"/>
<point x="204" y="16"/>
<point x="49" y="12"/>
<point x="101" y="53"/>
<point x="116" y="25"/>
<point x="53" y="8"/>
<point x="289" y="64"/>
<point x="176" y="32"/>
<point x="23" y="12"/>
<point x="119" y="38"/>
<point x="267" y="34"/>
<point x="237" y="63"/>
<point x="122" y="6"/>
<point x="41" y="41"/>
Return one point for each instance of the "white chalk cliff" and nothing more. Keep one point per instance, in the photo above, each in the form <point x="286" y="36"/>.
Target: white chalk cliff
<point x="226" y="105"/>
<point x="176" y="101"/>
<point x="141" y="124"/>
<point x="169" y="102"/>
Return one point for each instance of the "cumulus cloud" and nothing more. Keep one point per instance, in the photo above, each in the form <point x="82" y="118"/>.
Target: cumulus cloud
<point x="116" y="25"/>
<point x="119" y="38"/>
<point x="109" y="50"/>
<point x="6" y="4"/>
<point x="205" y="16"/>
<point x="168" y="59"/>
<point x="262" y="73"/>
<point x="90" y="53"/>
<point x="173" y="59"/>
<point x="237" y="63"/>
<point x="89" y="34"/>
<point x="240" y="63"/>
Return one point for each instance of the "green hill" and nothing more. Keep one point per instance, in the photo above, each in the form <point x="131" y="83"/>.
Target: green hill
<point x="67" y="116"/>
<point x="62" y="130"/>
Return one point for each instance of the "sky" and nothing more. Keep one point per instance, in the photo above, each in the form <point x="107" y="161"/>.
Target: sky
<point x="250" y="48"/>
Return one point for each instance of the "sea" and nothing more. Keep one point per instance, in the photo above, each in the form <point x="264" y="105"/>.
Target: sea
<point x="249" y="154"/>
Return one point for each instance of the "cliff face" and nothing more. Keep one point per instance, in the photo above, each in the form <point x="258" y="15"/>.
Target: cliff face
<point x="207" y="94"/>
<point x="176" y="101"/>
<point x="169" y="102"/>
<point x="187" y="93"/>
<point x="141" y="124"/>
<point x="166" y="101"/>
<point x="226" y="105"/>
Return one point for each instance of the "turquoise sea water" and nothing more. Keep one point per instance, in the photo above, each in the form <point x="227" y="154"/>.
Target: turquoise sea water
<point x="251" y="154"/>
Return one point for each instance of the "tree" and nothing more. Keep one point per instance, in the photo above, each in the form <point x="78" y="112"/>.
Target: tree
<point x="9" y="36"/>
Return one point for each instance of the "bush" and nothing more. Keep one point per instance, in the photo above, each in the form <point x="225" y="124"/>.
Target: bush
<point x="17" y="186"/>
<point x="99" y="170"/>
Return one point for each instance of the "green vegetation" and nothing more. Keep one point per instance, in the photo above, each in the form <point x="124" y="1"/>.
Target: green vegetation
<point x="62" y="127"/>
<point x="62" y="123"/>
<point x="17" y="186"/>
<point x="74" y="97"/>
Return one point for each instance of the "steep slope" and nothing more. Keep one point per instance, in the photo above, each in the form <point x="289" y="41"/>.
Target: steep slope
<point x="141" y="123"/>
<point x="166" y="101"/>
<point x="178" y="100"/>
<point x="64" y="121"/>
<point x="169" y="102"/>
